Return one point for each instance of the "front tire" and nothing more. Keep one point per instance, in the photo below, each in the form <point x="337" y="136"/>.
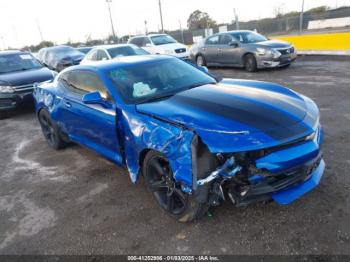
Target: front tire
<point x="3" y="115"/>
<point x="250" y="64"/>
<point x="167" y="192"/>
<point x="50" y="130"/>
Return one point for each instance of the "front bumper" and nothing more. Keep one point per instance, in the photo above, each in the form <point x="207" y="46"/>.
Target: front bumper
<point x="10" y="102"/>
<point x="269" y="62"/>
<point x="285" y="187"/>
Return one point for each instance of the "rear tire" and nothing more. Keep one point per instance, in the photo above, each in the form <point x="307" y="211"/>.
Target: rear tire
<point x="250" y="64"/>
<point x="167" y="192"/>
<point x="200" y="61"/>
<point x="50" y="131"/>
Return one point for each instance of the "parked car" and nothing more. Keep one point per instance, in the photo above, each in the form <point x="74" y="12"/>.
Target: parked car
<point x="242" y="49"/>
<point x="107" y="52"/>
<point x="60" y="57"/>
<point x="84" y="49"/>
<point x="18" y="72"/>
<point x="161" y="44"/>
<point x="195" y="140"/>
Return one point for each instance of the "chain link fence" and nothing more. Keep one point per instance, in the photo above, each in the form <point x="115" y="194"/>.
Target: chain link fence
<point x="285" y="24"/>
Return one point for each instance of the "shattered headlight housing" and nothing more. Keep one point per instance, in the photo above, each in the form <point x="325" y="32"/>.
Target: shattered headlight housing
<point x="6" y="90"/>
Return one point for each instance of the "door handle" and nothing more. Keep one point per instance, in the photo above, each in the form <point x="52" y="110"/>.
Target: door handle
<point x="68" y="105"/>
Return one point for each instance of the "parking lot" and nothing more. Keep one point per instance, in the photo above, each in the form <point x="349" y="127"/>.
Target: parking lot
<point x="75" y="202"/>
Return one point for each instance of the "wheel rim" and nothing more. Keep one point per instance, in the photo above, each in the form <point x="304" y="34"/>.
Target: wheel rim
<point x="200" y="61"/>
<point x="249" y="64"/>
<point x="48" y="130"/>
<point x="166" y="191"/>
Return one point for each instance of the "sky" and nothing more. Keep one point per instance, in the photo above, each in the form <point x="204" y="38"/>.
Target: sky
<point x="61" y="20"/>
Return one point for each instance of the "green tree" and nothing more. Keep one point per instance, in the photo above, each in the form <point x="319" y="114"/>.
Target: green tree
<point x="200" y="20"/>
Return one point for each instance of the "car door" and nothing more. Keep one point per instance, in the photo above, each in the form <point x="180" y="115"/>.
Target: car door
<point x="228" y="54"/>
<point x="210" y="49"/>
<point x="92" y="125"/>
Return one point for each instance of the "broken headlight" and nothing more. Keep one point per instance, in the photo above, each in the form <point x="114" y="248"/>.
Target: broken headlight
<point x="6" y="90"/>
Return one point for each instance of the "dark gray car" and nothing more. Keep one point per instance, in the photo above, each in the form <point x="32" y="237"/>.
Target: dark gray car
<point x="242" y="49"/>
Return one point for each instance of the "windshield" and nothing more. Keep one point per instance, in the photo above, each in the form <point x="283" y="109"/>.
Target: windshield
<point x="146" y="82"/>
<point x="18" y="62"/>
<point x="163" y="40"/>
<point x="249" y="37"/>
<point x="126" y="51"/>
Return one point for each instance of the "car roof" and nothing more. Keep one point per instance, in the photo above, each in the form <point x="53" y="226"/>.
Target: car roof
<point x="237" y="31"/>
<point x="121" y="62"/>
<point x="13" y="52"/>
<point x="58" y="47"/>
<point x="111" y="46"/>
<point x="151" y="35"/>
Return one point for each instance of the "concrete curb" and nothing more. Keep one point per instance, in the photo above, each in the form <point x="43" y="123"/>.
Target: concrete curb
<point x="325" y="52"/>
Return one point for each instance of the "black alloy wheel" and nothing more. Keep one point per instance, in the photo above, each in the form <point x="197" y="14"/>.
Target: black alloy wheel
<point x="50" y="130"/>
<point x="250" y="63"/>
<point x="161" y="183"/>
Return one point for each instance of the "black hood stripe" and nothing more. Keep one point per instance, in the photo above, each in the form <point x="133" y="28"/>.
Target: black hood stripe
<point x="260" y="117"/>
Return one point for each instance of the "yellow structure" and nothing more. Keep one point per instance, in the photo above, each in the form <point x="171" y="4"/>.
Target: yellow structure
<point x="330" y="41"/>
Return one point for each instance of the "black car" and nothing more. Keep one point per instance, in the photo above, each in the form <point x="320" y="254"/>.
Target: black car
<point x="60" y="57"/>
<point x="18" y="72"/>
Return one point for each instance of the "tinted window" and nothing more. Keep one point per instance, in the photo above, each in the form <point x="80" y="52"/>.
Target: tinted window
<point x="213" y="40"/>
<point x="84" y="82"/>
<point x="162" y="40"/>
<point x="249" y="37"/>
<point x="144" y="82"/>
<point x="126" y="51"/>
<point x="225" y="39"/>
<point x="137" y="41"/>
<point x="102" y="55"/>
<point x="18" y="62"/>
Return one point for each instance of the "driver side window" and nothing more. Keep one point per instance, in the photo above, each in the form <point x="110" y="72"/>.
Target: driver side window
<point x="92" y="56"/>
<point x="81" y="82"/>
<point x="101" y="55"/>
<point x="213" y="40"/>
<point x="225" y="39"/>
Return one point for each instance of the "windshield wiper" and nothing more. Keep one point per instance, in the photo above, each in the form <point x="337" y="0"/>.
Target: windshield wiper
<point x="199" y="84"/>
<point x="156" y="98"/>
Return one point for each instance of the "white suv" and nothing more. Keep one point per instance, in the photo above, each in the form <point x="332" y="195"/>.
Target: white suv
<point x="160" y="44"/>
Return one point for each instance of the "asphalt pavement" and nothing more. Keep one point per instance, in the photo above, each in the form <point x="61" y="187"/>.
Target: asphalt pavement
<point x="75" y="202"/>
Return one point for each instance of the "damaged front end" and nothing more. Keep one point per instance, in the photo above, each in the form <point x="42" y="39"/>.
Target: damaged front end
<point x="282" y="173"/>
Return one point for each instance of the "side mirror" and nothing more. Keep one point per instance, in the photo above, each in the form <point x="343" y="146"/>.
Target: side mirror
<point x="233" y="44"/>
<point x="148" y="45"/>
<point x="95" y="98"/>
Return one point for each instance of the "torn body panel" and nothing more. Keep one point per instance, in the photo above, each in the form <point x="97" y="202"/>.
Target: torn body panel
<point x="144" y="132"/>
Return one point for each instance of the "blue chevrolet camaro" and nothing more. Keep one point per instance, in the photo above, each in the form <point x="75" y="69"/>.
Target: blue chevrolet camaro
<point x="196" y="140"/>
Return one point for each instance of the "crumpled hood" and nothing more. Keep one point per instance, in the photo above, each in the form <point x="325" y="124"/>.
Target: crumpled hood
<point x="237" y="115"/>
<point x="27" y="77"/>
<point x="274" y="44"/>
